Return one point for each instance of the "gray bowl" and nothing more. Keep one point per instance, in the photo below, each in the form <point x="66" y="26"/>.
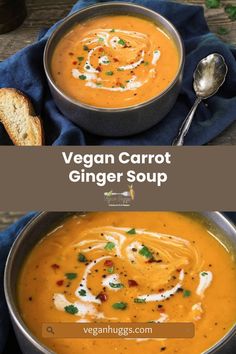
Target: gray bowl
<point x="111" y="121"/>
<point x="42" y="224"/>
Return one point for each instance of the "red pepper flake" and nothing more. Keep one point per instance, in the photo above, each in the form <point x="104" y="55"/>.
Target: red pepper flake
<point x="108" y="263"/>
<point x="60" y="282"/>
<point x="161" y="310"/>
<point x="132" y="283"/>
<point x="71" y="53"/>
<point x="101" y="50"/>
<point x="102" y="297"/>
<point x="161" y="290"/>
<point x="74" y="62"/>
<point x="55" y="266"/>
<point x="99" y="68"/>
<point x="116" y="60"/>
<point x="178" y="270"/>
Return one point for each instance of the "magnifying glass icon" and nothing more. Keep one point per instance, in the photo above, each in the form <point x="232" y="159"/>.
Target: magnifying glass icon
<point x="50" y="330"/>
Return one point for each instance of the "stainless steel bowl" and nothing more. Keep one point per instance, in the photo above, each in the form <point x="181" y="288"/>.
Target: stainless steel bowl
<point x="44" y="222"/>
<point x="111" y="121"/>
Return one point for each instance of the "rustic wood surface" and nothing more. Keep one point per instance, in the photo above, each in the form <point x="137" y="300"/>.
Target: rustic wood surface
<point x="43" y="13"/>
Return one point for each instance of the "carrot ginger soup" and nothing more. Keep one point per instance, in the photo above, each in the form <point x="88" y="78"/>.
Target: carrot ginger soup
<point x="130" y="267"/>
<point x="115" y="61"/>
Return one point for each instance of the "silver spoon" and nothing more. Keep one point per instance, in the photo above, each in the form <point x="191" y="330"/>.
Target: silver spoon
<point x="209" y="75"/>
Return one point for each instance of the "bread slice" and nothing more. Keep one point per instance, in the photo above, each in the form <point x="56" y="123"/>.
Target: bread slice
<point x="19" y="119"/>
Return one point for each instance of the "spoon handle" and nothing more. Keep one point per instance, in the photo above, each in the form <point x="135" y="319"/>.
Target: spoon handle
<point x="179" y="140"/>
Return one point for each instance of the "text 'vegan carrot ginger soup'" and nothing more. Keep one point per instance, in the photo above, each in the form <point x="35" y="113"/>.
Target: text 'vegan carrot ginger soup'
<point x="130" y="267"/>
<point x="115" y="61"/>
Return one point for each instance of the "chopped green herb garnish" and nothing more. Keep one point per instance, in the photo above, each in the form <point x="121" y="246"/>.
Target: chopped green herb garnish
<point x="139" y="301"/>
<point x="204" y="274"/>
<point x="110" y="270"/>
<point x="109" y="73"/>
<point x="101" y="40"/>
<point x="120" y="69"/>
<point x="212" y="4"/>
<point x="186" y="293"/>
<point x="71" y="309"/>
<point x="98" y="83"/>
<point x="146" y="63"/>
<point x="222" y="31"/>
<point x="121" y="42"/>
<point x="109" y="246"/>
<point x="82" y="292"/>
<point x="86" y="48"/>
<point x="145" y="252"/>
<point x="131" y="232"/>
<point x="122" y="86"/>
<point x="80" y="58"/>
<point x="82" y="258"/>
<point x="119" y="305"/>
<point x="116" y="285"/>
<point x="113" y="30"/>
<point x="83" y="77"/>
<point x="71" y="276"/>
<point x="231" y="11"/>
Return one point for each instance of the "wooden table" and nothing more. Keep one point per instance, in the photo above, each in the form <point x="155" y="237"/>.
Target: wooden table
<point x="43" y="13"/>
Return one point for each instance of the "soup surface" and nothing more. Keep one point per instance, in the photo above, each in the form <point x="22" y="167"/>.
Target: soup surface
<point x="161" y="266"/>
<point x="115" y="61"/>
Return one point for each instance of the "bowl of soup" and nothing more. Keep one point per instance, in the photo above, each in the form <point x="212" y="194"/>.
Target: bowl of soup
<point x="124" y="267"/>
<point x="115" y="69"/>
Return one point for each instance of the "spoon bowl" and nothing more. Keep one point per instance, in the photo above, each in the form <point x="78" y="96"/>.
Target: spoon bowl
<point x="208" y="76"/>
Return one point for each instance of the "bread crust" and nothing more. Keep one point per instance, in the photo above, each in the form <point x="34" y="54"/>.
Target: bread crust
<point x="35" y="135"/>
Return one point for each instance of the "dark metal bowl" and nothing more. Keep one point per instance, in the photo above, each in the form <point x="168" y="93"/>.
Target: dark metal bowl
<point x="112" y="121"/>
<point x="46" y="221"/>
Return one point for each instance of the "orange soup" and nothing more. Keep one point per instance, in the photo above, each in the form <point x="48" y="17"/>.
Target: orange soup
<point x="130" y="267"/>
<point x="115" y="61"/>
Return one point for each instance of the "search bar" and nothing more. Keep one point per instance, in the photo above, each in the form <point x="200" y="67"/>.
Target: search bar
<point x="118" y="330"/>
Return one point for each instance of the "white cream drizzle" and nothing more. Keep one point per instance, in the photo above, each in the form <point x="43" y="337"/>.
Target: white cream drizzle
<point x="111" y="38"/>
<point x="165" y="294"/>
<point x="205" y="281"/>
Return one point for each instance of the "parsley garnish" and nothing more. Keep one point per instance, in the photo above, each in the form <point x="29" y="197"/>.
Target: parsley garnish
<point x="109" y="73"/>
<point x="80" y="58"/>
<point x="204" y="274"/>
<point x="109" y="246"/>
<point x="110" y="270"/>
<point x="139" y="301"/>
<point x="120" y="69"/>
<point x="82" y="292"/>
<point x="186" y="293"/>
<point x="116" y="286"/>
<point x="113" y="30"/>
<point x="121" y="42"/>
<point x="71" y="276"/>
<point x="83" y="77"/>
<point x="82" y="258"/>
<point x="145" y="252"/>
<point x="71" y="309"/>
<point x="119" y="305"/>
<point x="131" y="232"/>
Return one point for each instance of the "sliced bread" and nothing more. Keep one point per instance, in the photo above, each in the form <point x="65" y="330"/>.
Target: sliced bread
<point x="19" y="119"/>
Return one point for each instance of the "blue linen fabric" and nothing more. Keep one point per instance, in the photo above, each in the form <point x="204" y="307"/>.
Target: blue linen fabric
<point x="7" y="237"/>
<point x="24" y="71"/>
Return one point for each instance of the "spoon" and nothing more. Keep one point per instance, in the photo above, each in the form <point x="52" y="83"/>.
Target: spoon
<point x="208" y="76"/>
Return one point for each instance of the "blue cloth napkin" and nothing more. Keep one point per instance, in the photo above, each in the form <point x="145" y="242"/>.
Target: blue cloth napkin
<point x="24" y="71"/>
<point x="7" y="237"/>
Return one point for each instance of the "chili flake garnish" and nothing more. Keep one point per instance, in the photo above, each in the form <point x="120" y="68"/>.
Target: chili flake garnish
<point x="108" y="263"/>
<point x="120" y="305"/>
<point x="55" y="266"/>
<point x="71" y="309"/>
<point x="132" y="282"/>
<point x="60" y="282"/>
<point x="102" y="297"/>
